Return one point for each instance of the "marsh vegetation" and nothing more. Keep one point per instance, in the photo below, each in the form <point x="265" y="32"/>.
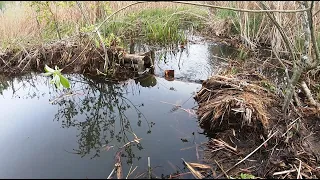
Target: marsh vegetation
<point x="257" y="62"/>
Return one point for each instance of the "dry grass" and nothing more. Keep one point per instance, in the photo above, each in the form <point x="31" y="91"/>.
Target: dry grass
<point x="257" y="28"/>
<point x="148" y="5"/>
<point x="19" y="22"/>
<point x="223" y="100"/>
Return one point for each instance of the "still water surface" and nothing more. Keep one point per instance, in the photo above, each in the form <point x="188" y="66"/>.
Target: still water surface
<point x="49" y="133"/>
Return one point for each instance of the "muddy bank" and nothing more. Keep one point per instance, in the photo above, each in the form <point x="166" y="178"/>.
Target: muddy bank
<point x="79" y="55"/>
<point x="249" y="132"/>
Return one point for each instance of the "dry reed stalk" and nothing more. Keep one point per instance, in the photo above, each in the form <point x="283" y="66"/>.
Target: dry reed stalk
<point x="291" y="23"/>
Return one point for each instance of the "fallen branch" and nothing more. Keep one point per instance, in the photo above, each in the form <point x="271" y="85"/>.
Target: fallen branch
<point x="284" y="172"/>
<point x="308" y="94"/>
<point x="195" y="173"/>
<point x="243" y="10"/>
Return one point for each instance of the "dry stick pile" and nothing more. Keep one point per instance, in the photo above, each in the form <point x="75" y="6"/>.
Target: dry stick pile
<point x="78" y="55"/>
<point x="242" y="115"/>
<point x="222" y="97"/>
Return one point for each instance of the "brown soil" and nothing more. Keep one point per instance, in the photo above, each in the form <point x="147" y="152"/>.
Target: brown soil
<point x="240" y="114"/>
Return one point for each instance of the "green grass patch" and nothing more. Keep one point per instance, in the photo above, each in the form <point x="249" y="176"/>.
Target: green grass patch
<point x="157" y="26"/>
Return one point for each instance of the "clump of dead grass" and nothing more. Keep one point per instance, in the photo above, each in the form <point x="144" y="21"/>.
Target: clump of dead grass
<point x="222" y="99"/>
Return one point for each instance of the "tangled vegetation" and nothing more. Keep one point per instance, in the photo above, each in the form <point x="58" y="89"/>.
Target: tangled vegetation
<point x="239" y="108"/>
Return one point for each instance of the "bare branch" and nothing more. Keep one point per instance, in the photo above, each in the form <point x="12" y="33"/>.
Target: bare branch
<point x="242" y="10"/>
<point x="119" y="11"/>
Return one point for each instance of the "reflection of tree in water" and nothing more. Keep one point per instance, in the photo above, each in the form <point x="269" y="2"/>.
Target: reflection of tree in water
<point x="102" y="105"/>
<point x="218" y="53"/>
<point x="27" y="83"/>
<point x="147" y="81"/>
<point x="4" y="84"/>
<point x="97" y="110"/>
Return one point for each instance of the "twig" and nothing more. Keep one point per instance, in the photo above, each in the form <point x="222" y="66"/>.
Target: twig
<point x="131" y="172"/>
<point x="182" y="174"/>
<point x="308" y="94"/>
<point x="221" y="142"/>
<point x="221" y="169"/>
<point x="299" y="170"/>
<point x="98" y="27"/>
<point x="284" y="172"/>
<point x="283" y="66"/>
<point x="137" y="176"/>
<point x="114" y="168"/>
<point x="195" y="173"/>
<point x="134" y="141"/>
<point x="35" y="54"/>
<point x="149" y="168"/>
<point x="242" y="10"/>
<point x="252" y="152"/>
<point x="4" y="62"/>
<point x="27" y="55"/>
<point x="106" y="58"/>
<point x="291" y="125"/>
<point x="197" y="152"/>
<point x="77" y="56"/>
<point x="296" y="99"/>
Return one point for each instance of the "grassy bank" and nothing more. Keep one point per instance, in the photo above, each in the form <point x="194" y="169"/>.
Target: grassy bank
<point x="31" y="23"/>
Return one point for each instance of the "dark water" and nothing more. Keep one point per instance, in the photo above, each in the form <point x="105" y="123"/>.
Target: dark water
<point x="49" y="133"/>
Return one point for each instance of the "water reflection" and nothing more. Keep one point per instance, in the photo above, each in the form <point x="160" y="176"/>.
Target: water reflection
<point x="97" y="109"/>
<point x="100" y="115"/>
<point x="147" y="81"/>
<point x="193" y="62"/>
<point x="96" y="118"/>
<point x="3" y="84"/>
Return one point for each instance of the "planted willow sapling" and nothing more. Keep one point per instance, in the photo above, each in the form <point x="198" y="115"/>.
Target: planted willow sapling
<point x="57" y="78"/>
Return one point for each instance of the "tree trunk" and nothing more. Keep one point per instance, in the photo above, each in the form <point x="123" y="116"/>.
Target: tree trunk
<point x="297" y="71"/>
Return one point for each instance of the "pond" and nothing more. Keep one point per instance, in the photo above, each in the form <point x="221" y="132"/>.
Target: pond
<point x="49" y="133"/>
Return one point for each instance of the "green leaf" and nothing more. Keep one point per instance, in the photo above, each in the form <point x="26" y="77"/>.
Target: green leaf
<point x="48" y="69"/>
<point x="247" y="176"/>
<point x="47" y="74"/>
<point x="64" y="81"/>
<point x="56" y="80"/>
